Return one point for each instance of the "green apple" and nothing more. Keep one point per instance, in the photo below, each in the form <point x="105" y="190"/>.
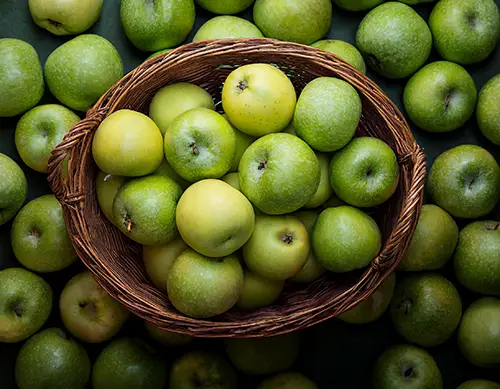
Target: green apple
<point x="332" y="202"/>
<point x="345" y="238"/>
<point x="129" y="363"/>
<point x="88" y="312"/>
<point x="258" y="99"/>
<point x="279" y="173"/>
<point x="301" y="21"/>
<point x="68" y="17"/>
<point x="394" y="39"/>
<point x="312" y="270"/>
<point x="158" y="53"/>
<point x="200" y="144"/>
<point x="479" y="333"/>
<point x="488" y="111"/>
<point x="433" y="241"/>
<point x="202" y="370"/>
<point x="440" y="97"/>
<point x="266" y="355"/>
<point x="39" y="237"/>
<point x="243" y="142"/>
<point x="426" y="309"/>
<point x="81" y="70"/>
<point x="278" y="248"/>
<point x="477" y="257"/>
<point x="21" y="77"/>
<point x="404" y="366"/>
<point x="232" y="179"/>
<point x="152" y="26"/>
<point x="202" y="287"/>
<point x="479" y="384"/>
<point x="51" y="359"/>
<point x="106" y="187"/>
<point x="465" y="181"/>
<point x="287" y="380"/>
<point x="258" y="292"/>
<point x="25" y="304"/>
<point x="167" y="338"/>
<point x="128" y="143"/>
<point x="166" y="170"/>
<point x="39" y="131"/>
<point x="224" y="7"/>
<point x="465" y="31"/>
<point x="343" y="50"/>
<point x="159" y="259"/>
<point x="357" y="5"/>
<point x="414" y="2"/>
<point x="172" y="100"/>
<point x="327" y="113"/>
<point x="144" y="209"/>
<point x="225" y="27"/>
<point x="365" y="173"/>
<point x="13" y="188"/>
<point x="214" y="218"/>
<point x="374" y="306"/>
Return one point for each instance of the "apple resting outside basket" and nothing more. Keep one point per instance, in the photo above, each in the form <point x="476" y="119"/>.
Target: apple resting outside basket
<point x="116" y="262"/>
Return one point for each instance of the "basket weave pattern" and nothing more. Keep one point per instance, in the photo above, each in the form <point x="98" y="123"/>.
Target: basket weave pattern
<point x="116" y="262"/>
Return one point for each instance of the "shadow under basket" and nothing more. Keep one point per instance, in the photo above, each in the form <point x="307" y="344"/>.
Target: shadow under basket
<point x="116" y="262"/>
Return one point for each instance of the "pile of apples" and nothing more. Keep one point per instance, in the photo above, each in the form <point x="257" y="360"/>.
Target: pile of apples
<point x="222" y="202"/>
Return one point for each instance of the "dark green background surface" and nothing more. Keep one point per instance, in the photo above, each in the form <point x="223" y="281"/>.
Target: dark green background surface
<point x="334" y="354"/>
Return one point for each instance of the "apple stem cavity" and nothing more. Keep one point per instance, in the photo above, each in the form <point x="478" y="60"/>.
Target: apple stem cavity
<point x="128" y="223"/>
<point x="55" y="23"/>
<point x="262" y="165"/>
<point x="194" y="149"/>
<point x="242" y="85"/>
<point x="408" y="372"/>
<point x="447" y="101"/>
<point x="494" y="228"/>
<point x="405" y="305"/>
<point x="287" y="238"/>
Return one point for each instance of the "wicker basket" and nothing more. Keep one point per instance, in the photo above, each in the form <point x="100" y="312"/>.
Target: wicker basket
<point x="116" y="261"/>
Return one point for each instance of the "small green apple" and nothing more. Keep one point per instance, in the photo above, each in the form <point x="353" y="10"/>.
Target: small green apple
<point x="225" y="27"/>
<point x="258" y="292"/>
<point x="68" y="17"/>
<point x="200" y="144"/>
<point x="214" y="218"/>
<point x="357" y="5"/>
<point x="343" y="50"/>
<point x="144" y="209"/>
<point x="159" y="259"/>
<point x="39" y="237"/>
<point x="13" y="188"/>
<point x="279" y="173"/>
<point x="153" y="26"/>
<point x="172" y="100"/>
<point x="327" y="114"/>
<point x="88" y="312"/>
<point x="287" y="380"/>
<point x="167" y="338"/>
<point x="488" y="110"/>
<point x="166" y="170"/>
<point x="202" y="287"/>
<point x="225" y="7"/>
<point x="278" y="248"/>
<point x="345" y="238"/>
<point x="479" y="384"/>
<point x="293" y="20"/>
<point x="128" y="143"/>
<point x="81" y="70"/>
<point x="39" y="131"/>
<point x="107" y="186"/>
<point x="25" y="304"/>
<point x="258" y="99"/>
<point x="21" y="77"/>
<point x="232" y="179"/>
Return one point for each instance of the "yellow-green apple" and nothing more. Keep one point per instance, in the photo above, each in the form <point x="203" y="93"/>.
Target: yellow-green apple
<point x="258" y="292"/>
<point x="225" y="27"/>
<point x="232" y="179"/>
<point x="243" y="142"/>
<point x="166" y="170"/>
<point x="129" y="363"/>
<point x="343" y="50"/>
<point x="278" y="248"/>
<point x="289" y="380"/>
<point x="51" y="359"/>
<point x="202" y="287"/>
<point x="488" y="111"/>
<point x="159" y="259"/>
<point x="21" y="77"/>
<point x="345" y="238"/>
<point x="25" y="304"/>
<point x="144" y="209"/>
<point x="39" y="131"/>
<point x="152" y="26"/>
<point x="365" y="173"/>
<point x="106" y="187"/>
<point x="165" y="337"/>
<point x="80" y="71"/>
<point x="479" y="384"/>
<point x="258" y="99"/>
<point x="279" y="173"/>
<point x="128" y="143"/>
<point x="465" y="181"/>
<point x="66" y="17"/>
<point x="325" y="190"/>
<point x="88" y="312"/>
<point x="13" y="188"/>
<point x="175" y="99"/>
<point x="257" y="356"/>
<point x="357" y="5"/>
<point x="224" y="7"/>
<point x="214" y="218"/>
<point x="39" y="237"/>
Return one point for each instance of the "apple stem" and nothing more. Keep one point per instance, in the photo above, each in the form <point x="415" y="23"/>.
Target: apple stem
<point x="194" y="148"/>
<point x="447" y="100"/>
<point x="494" y="228"/>
<point x="287" y="238"/>
<point x="242" y="85"/>
<point x="128" y="220"/>
<point x="405" y="305"/>
<point x="107" y="178"/>
<point x="262" y="165"/>
<point x="54" y="23"/>
<point x="408" y="372"/>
